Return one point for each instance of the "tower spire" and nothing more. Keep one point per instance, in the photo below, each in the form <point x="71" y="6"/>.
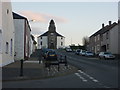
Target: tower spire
<point x="52" y="27"/>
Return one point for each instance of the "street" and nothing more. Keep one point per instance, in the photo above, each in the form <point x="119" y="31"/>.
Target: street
<point x="92" y="73"/>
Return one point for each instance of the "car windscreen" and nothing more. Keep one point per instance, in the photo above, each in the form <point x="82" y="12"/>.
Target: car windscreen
<point x="88" y="52"/>
<point x="107" y="53"/>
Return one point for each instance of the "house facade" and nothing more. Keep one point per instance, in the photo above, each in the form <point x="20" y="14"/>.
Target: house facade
<point x="32" y="44"/>
<point x="105" y="39"/>
<point x="6" y="34"/>
<point x="51" y="39"/>
<point x="22" y="37"/>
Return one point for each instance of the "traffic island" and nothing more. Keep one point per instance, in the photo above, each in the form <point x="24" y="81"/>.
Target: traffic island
<point x="33" y="70"/>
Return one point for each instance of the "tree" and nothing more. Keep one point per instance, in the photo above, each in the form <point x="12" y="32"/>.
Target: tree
<point x="85" y="41"/>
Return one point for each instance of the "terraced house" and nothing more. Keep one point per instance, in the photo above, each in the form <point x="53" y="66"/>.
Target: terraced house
<point x="22" y="37"/>
<point x="6" y="34"/>
<point x="106" y="39"/>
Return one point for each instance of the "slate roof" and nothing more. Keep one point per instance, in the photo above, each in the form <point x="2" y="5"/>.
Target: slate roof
<point x="17" y="16"/>
<point x="46" y="34"/>
<point x="105" y="29"/>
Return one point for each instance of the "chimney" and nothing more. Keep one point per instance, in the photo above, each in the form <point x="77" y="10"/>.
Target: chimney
<point x="109" y="22"/>
<point x="103" y="25"/>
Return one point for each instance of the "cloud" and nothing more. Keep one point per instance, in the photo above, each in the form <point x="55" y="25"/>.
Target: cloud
<point x="42" y="17"/>
<point x="37" y="30"/>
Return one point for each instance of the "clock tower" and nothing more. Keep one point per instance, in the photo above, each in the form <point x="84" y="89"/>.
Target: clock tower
<point x="52" y="36"/>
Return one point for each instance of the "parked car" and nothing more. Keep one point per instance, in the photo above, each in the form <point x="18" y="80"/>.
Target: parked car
<point x="77" y="52"/>
<point x="51" y="55"/>
<point x="88" y="53"/>
<point x="106" y="55"/>
<point x="82" y="52"/>
<point x="68" y="50"/>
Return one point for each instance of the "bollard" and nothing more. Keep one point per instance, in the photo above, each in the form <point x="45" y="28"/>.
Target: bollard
<point x="65" y="60"/>
<point x="21" y="68"/>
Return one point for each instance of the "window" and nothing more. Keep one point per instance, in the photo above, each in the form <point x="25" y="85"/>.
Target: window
<point x="61" y="37"/>
<point x="7" y="48"/>
<point x="99" y="37"/>
<point x="41" y="37"/>
<point x="95" y="38"/>
<point x="107" y="35"/>
<point x="61" y="43"/>
<point x="108" y="46"/>
<point x="11" y="47"/>
<point x="7" y="11"/>
<point x="41" y="42"/>
<point x="98" y="47"/>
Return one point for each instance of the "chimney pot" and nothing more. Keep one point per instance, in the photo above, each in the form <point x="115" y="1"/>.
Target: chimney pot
<point x="103" y="25"/>
<point x="109" y="22"/>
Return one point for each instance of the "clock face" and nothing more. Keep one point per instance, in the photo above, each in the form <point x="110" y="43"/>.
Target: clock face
<point x="51" y="33"/>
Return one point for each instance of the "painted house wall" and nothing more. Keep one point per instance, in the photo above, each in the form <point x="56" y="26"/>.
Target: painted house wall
<point x="27" y="40"/>
<point x="119" y="39"/>
<point x="19" y="38"/>
<point x="7" y="28"/>
<point x="31" y="46"/>
<point x="44" y="41"/>
<point x="114" y="40"/>
<point x="0" y="32"/>
<point x="59" y="40"/>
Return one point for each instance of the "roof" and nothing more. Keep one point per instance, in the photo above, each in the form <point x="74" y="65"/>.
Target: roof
<point x="46" y="34"/>
<point x="105" y="29"/>
<point x="17" y="16"/>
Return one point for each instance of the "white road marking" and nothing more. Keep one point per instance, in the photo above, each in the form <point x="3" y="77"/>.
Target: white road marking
<point x="88" y="76"/>
<point x="83" y="79"/>
<point x="94" y="80"/>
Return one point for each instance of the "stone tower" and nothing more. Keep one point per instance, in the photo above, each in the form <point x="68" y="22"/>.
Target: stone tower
<point x="52" y="36"/>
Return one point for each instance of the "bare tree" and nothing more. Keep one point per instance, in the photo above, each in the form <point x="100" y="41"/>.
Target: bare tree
<point x="85" y="41"/>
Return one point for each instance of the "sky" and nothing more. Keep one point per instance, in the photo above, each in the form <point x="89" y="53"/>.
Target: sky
<point x="73" y="20"/>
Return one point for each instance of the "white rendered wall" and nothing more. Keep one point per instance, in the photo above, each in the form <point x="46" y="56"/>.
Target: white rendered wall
<point x="19" y="38"/>
<point x="31" y="45"/>
<point x="44" y="42"/>
<point x="114" y="40"/>
<point x="59" y="40"/>
<point x="7" y="33"/>
<point x="0" y="33"/>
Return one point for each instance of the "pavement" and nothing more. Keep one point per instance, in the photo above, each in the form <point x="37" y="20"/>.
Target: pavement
<point x="33" y="70"/>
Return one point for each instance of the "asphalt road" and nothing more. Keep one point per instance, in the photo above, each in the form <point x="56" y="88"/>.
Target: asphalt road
<point x="92" y="73"/>
<point x="104" y="71"/>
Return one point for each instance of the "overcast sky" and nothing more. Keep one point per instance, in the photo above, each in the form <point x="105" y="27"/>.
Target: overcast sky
<point x="74" y="20"/>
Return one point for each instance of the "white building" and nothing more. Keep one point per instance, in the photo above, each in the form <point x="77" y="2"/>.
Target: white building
<point x="32" y="44"/>
<point x="51" y="39"/>
<point x="6" y="34"/>
<point x="22" y="37"/>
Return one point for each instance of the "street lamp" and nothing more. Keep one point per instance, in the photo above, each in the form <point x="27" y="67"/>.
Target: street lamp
<point x="32" y="20"/>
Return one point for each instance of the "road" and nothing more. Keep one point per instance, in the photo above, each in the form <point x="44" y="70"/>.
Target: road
<point x="92" y="73"/>
<point x="104" y="71"/>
